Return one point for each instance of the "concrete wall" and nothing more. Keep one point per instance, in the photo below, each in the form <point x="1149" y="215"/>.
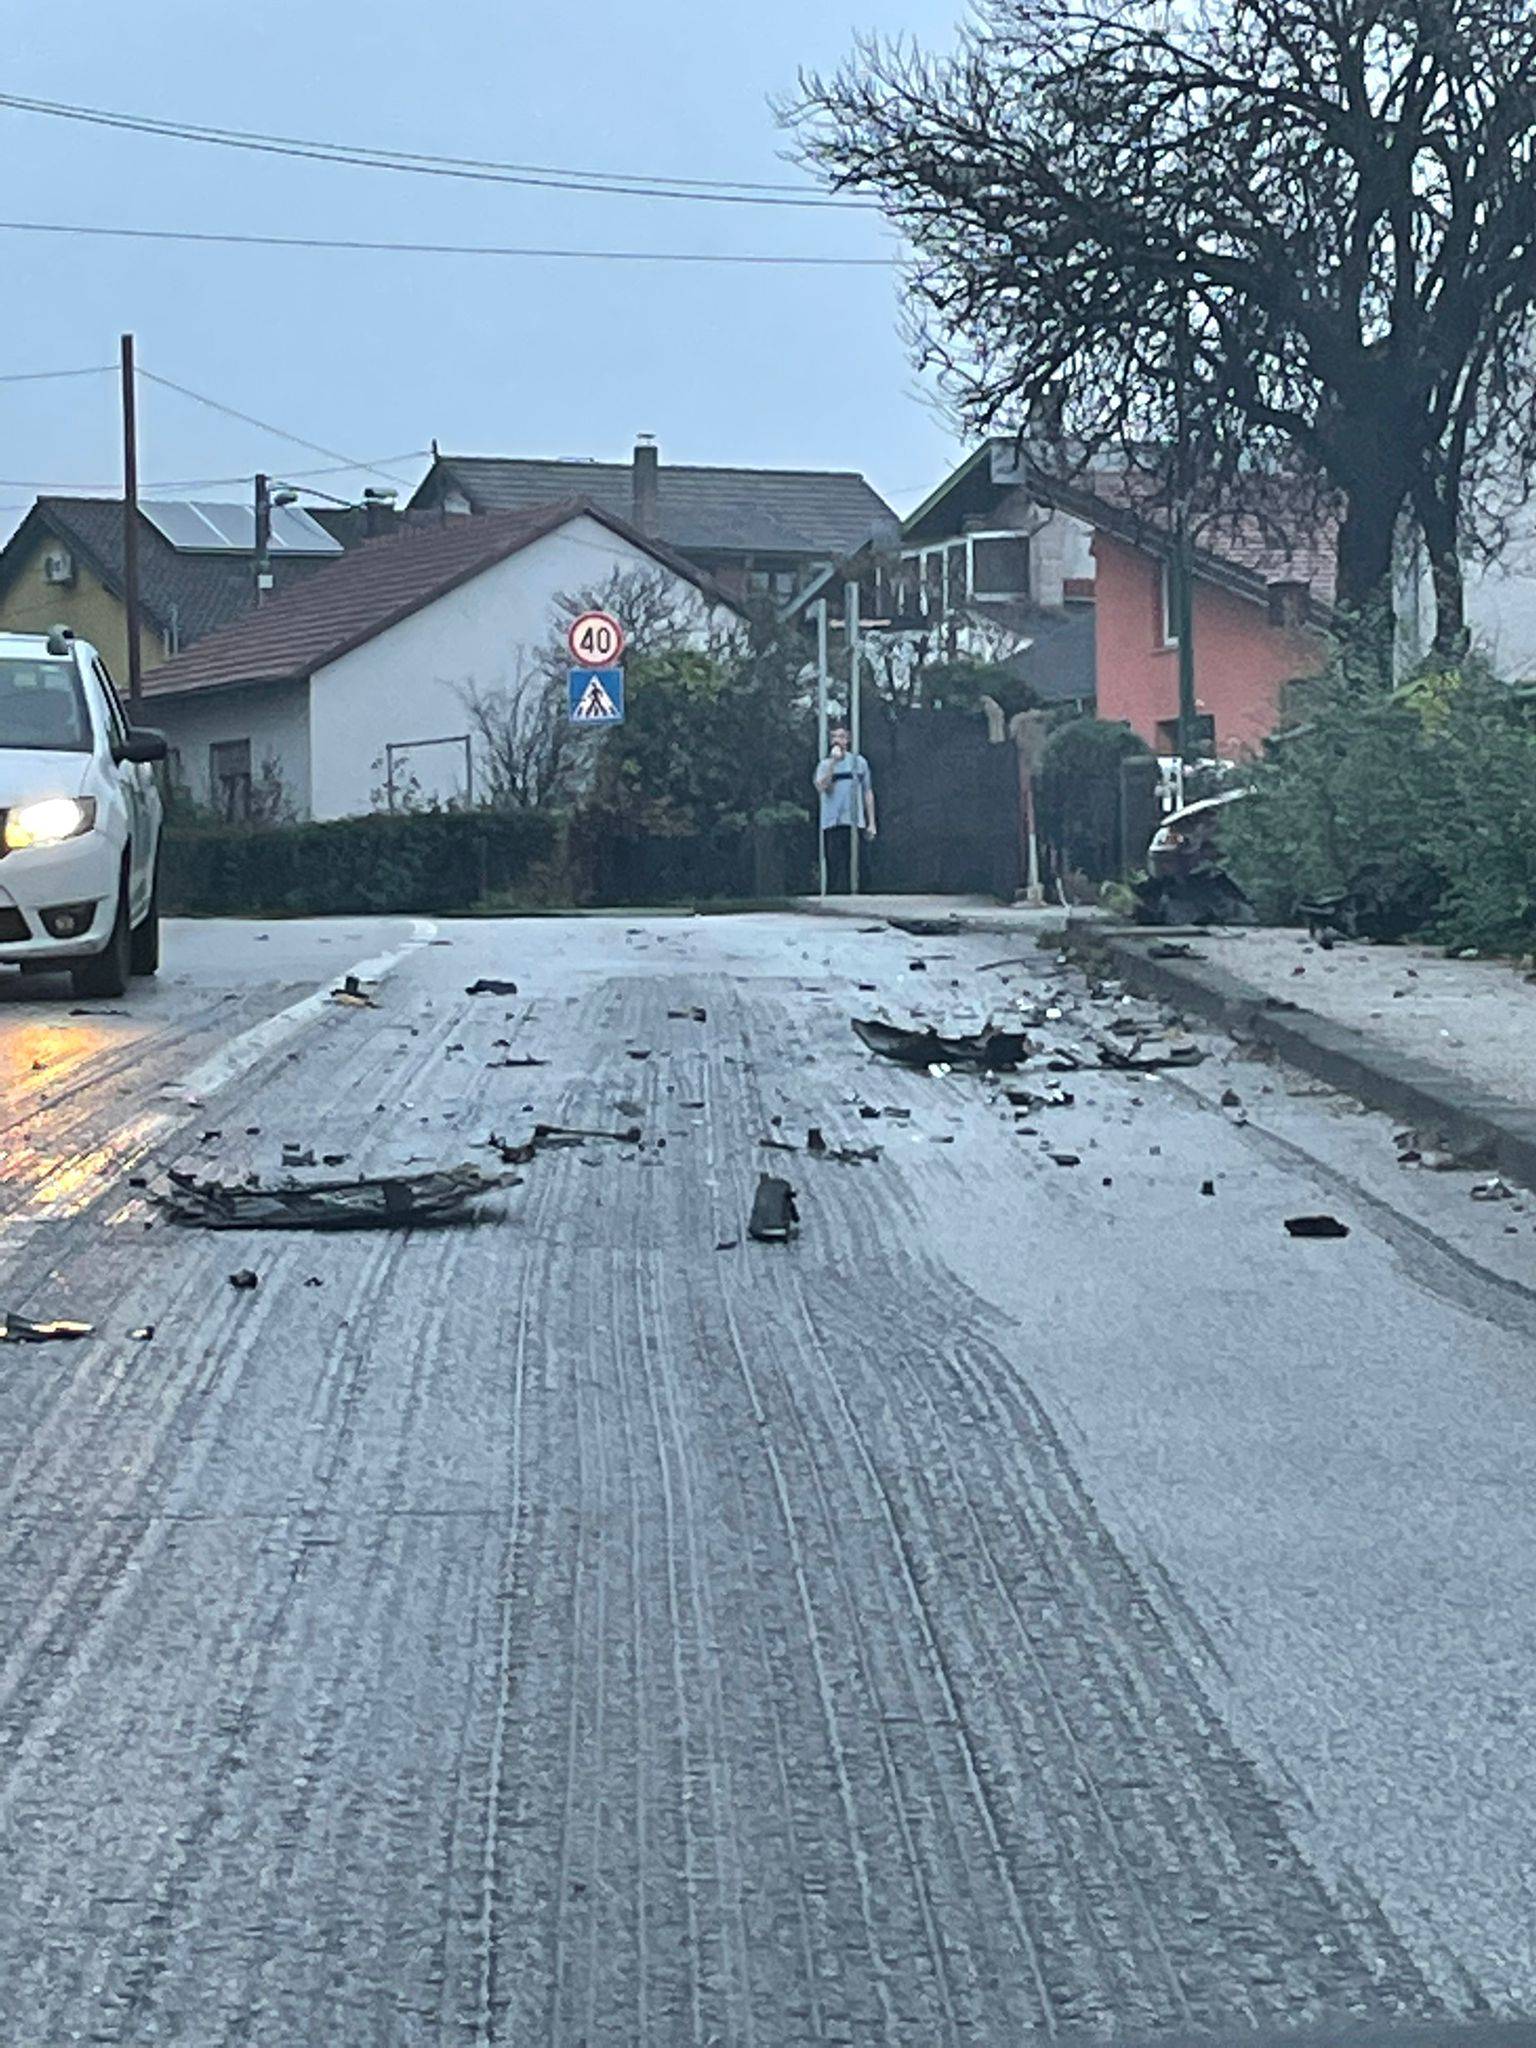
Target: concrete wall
<point x="86" y="606"/>
<point x="407" y="684"/>
<point x="273" y="717"/>
<point x="1241" y="661"/>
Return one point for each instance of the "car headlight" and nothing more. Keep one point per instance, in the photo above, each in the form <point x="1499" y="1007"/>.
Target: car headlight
<point x="47" y="823"/>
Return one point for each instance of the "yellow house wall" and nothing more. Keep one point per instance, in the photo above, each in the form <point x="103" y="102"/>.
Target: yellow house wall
<point x="86" y="606"/>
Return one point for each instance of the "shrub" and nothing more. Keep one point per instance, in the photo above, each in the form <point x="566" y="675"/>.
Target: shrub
<point x="421" y="861"/>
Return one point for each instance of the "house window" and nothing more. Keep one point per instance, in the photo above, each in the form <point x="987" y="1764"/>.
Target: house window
<point x="1167" y="606"/>
<point x="229" y="779"/>
<point x="1000" y="565"/>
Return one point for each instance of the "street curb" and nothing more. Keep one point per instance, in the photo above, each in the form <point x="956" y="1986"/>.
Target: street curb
<point x="1463" y="1117"/>
<point x="998" y="924"/>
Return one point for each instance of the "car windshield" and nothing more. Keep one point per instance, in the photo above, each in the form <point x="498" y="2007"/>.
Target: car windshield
<point x="43" y="706"/>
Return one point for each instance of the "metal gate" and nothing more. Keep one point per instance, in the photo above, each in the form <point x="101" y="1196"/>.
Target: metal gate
<point x="947" y="803"/>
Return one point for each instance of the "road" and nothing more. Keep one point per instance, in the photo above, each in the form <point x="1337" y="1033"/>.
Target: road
<point x="1044" y="1598"/>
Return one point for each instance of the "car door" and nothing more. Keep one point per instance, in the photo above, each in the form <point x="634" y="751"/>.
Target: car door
<point x="140" y="795"/>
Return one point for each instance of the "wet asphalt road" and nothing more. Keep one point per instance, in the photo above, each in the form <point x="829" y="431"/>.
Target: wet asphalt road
<point x="1044" y="1598"/>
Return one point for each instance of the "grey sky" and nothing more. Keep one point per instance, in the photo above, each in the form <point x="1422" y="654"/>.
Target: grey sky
<point x="375" y="354"/>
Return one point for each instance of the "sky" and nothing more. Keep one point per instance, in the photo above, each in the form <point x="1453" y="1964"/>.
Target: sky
<point x="373" y="355"/>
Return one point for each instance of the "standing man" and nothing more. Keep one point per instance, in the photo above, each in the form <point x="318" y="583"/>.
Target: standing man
<point x="847" y="804"/>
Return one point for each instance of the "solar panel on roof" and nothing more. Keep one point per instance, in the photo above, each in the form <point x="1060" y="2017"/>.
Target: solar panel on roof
<point x="212" y="529"/>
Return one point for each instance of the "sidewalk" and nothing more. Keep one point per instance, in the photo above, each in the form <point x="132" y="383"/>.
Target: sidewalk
<point x="1445" y="1045"/>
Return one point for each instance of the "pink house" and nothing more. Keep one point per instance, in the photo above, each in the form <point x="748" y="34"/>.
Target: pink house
<point x="1263" y="586"/>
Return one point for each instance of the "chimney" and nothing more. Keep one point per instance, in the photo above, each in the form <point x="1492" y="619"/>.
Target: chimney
<point x="646" y="475"/>
<point x="378" y="513"/>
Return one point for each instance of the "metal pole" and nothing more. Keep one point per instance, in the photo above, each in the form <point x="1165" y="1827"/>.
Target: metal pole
<point x="822" y="680"/>
<point x="1184" y="626"/>
<point x="131" y="533"/>
<point x="851" y="615"/>
<point x="263" y="536"/>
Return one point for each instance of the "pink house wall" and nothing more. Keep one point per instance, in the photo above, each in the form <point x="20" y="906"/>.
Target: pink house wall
<point x="1241" y="660"/>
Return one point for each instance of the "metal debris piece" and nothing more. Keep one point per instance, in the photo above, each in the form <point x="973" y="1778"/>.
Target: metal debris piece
<point x="383" y="1201"/>
<point x="567" y="1134"/>
<point x="777" y="1145"/>
<point x="1173" y="949"/>
<point x="775" y="1219"/>
<point x="1316" y="1226"/>
<point x="491" y="988"/>
<point x="638" y="1052"/>
<point x="244" y="1281"/>
<point x="1207" y="1187"/>
<point x="1064" y="1159"/>
<point x="926" y="927"/>
<point x="1144" y="1058"/>
<point x="1230" y="1099"/>
<point x="523" y="1060"/>
<point x="1494" y="1190"/>
<point x="1027" y="1101"/>
<point x="727" y="1244"/>
<point x="334" y="1158"/>
<point x="986" y="1051"/>
<point x="815" y="1142"/>
<point x="143" y="1334"/>
<point x="918" y="966"/>
<point x="15" y="1329"/>
<point x="697" y="1015"/>
<point x="295" y="1154"/>
<point x="353" y="995"/>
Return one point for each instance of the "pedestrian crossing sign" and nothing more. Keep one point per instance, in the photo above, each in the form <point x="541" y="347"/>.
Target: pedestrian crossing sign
<point x="597" y="696"/>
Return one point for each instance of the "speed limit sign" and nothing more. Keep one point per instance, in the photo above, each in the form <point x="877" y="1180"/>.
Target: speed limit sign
<point x="596" y="640"/>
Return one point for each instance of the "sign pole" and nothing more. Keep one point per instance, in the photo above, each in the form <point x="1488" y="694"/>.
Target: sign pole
<point x="821" y="731"/>
<point x="851" y="615"/>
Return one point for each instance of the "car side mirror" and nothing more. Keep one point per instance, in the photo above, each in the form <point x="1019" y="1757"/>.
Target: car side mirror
<point x="143" y="744"/>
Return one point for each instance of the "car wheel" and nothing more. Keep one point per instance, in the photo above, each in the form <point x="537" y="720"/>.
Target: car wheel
<point x="144" y="951"/>
<point x="106" y="973"/>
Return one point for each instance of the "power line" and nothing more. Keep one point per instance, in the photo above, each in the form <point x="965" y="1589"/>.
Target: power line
<point x="36" y="376"/>
<point x="633" y="185"/>
<point x="290" y="476"/>
<point x="39" y="227"/>
<point x="266" y="426"/>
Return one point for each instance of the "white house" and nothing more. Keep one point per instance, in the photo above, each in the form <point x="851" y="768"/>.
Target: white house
<point x="357" y="679"/>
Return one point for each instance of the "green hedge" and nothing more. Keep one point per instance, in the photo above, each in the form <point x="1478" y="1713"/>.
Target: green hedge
<point x="415" y="861"/>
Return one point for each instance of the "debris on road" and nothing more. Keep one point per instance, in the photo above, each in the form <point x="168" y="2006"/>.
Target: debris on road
<point x="143" y="1334"/>
<point x="1230" y="1099"/>
<point x="1064" y="1159"/>
<point x="491" y="988"/>
<point x="775" y="1219"/>
<point x="245" y="1281"/>
<point x="1316" y="1226"/>
<point x="1207" y="1187"/>
<point x="295" y="1154"/>
<point x="727" y="1244"/>
<point x="15" y="1329"/>
<point x="353" y="995"/>
<point x="1026" y="1101"/>
<point x="522" y="1060"/>
<point x="697" y="1015"/>
<point x="1494" y="1190"/>
<point x="1174" y="949"/>
<point x="1146" y="1056"/>
<point x="987" y="1051"/>
<point x="925" y="927"/>
<point x="383" y="1201"/>
<point x="638" y="1052"/>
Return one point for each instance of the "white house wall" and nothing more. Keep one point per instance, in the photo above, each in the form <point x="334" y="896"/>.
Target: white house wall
<point x="407" y="684"/>
<point x="274" y="717"/>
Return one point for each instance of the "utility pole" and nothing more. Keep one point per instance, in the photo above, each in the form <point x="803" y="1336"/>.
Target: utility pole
<point x="263" y="537"/>
<point x="821" y="729"/>
<point x="1182" y="576"/>
<point x="851" y="620"/>
<point x="131" y="533"/>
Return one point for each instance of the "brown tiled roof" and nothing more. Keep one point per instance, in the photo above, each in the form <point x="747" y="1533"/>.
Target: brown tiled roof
<point x="741" y="511"/>
<point x="1277" y="531"/>
<point x="184" y="595"/>
<point x="371" y="588"/>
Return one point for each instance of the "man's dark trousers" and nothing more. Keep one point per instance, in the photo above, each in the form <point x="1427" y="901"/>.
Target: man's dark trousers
<point x="837" y="843"/>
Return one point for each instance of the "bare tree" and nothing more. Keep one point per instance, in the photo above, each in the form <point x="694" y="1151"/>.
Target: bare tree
<point x="1289" y="235"/>
<point x="528" y="755"/>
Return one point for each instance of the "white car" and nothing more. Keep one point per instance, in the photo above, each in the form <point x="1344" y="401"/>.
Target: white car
<point x="80" y="818"/>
